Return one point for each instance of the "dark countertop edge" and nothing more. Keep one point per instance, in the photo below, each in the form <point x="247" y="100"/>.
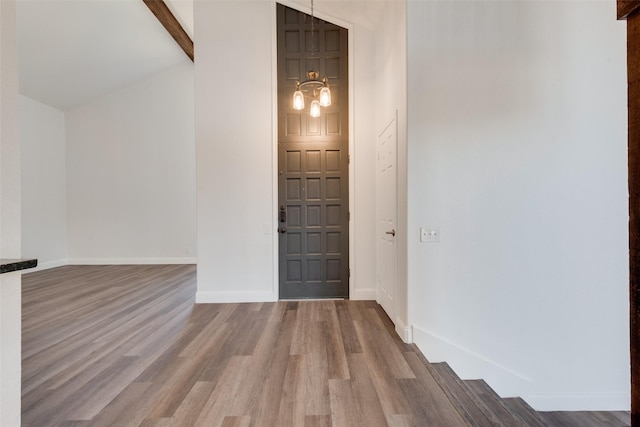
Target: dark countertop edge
<point x="9" y="265"/>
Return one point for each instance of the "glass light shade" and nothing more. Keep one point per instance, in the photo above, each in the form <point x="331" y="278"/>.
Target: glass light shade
<point x="325" y="97"/>
<point x="298" y="100"/>
<point x="314" y="110"/>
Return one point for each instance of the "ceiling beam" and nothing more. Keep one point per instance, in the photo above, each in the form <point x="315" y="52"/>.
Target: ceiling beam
<point x="171" y="24"/>
<point x="627" y="7"/>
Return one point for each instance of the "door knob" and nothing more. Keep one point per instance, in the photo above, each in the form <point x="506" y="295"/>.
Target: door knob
<point x="282" y="230"/>
<point x="392" y="232"/>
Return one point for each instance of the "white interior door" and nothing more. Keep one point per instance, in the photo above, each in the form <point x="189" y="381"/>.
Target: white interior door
<point x="386" y="218"/>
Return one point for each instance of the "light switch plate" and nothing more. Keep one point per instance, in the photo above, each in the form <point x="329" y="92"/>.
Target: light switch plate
<point x="429" y="234"/>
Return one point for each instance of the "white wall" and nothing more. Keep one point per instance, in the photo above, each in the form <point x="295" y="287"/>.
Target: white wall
<point x="363" y="157"/>
<point x="517" y="151"/>
<point x="131" y="173"/>
<point x="10" y="289"/>
<point x="44" y="183"/>
<point x="235" y="138"/>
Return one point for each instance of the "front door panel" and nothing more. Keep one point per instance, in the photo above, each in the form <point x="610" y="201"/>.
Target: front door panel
<point x="313" y="162"/>
<point x="314" y="236"/>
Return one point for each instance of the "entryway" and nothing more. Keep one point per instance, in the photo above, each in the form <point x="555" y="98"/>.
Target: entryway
<point x="313" y="160"/>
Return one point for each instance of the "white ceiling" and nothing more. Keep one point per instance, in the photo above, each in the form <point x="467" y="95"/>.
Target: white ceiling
<point x="72" y="51"/>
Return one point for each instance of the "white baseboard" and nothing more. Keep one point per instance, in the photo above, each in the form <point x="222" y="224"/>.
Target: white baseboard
<point x="507" y="383"/>
<point x="130" y="261"/>
<point x="215" y="297"/>
<point x="469" y="365"/>
<point x="109" y="261"/>
<point x="366" y="294"/>
<point x="405" y="332"/>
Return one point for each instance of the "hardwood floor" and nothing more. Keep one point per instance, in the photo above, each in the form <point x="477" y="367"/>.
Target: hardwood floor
<point x="127" y="346"/>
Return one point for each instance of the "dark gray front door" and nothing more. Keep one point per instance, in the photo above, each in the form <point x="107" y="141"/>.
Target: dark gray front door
<point x="313" y="162"/>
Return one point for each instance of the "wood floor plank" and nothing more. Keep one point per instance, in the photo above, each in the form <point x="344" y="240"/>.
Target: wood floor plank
<point x="336" y="355"/>
<point x="223" y="397"/>
<point x="587" y="419"/>
<point x="386" y="346"/>
<point x="114" y="378"/>
<point x="264" y="404"/>
<point x="291" y="412"/>
<point x="349" y="336"/>
<point x="525" y="413"/>
<point x="128" y="346"/>
<point x="493" y="404"/>
<point x="75" y="423"/>
<point x="59" y="355"/>
<point x="185" y="372"/>
<point x="391" y="397"/>
<point x="78" y="400"/>
<point x="401" y="420"/>
<point x="315" y="379"/>
<point x="364" y="392"/>
<point x="173" y="323"/>
<point x="308" y="336"/>
<point x="120" y="411"/>
<point x="277" y="312"/>
<point x="422" y="409"/>
<point x="191" y="406"/>
<point x="458" y="393"/>
<point x="344" y="408"/>
<point x="426" y="397"/>
<point x="157" y="422"/>
<point x="317" y="421"/>
<point x="236" y="421"/>
<point x="245" y="400"/>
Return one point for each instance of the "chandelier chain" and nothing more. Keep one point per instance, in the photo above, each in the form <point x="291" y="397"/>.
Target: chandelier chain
<point x="312" y="31"/>
<point x="321" y="92"/>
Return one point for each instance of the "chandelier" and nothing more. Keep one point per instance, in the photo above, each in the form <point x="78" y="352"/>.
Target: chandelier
<point x="317" y="89"/>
